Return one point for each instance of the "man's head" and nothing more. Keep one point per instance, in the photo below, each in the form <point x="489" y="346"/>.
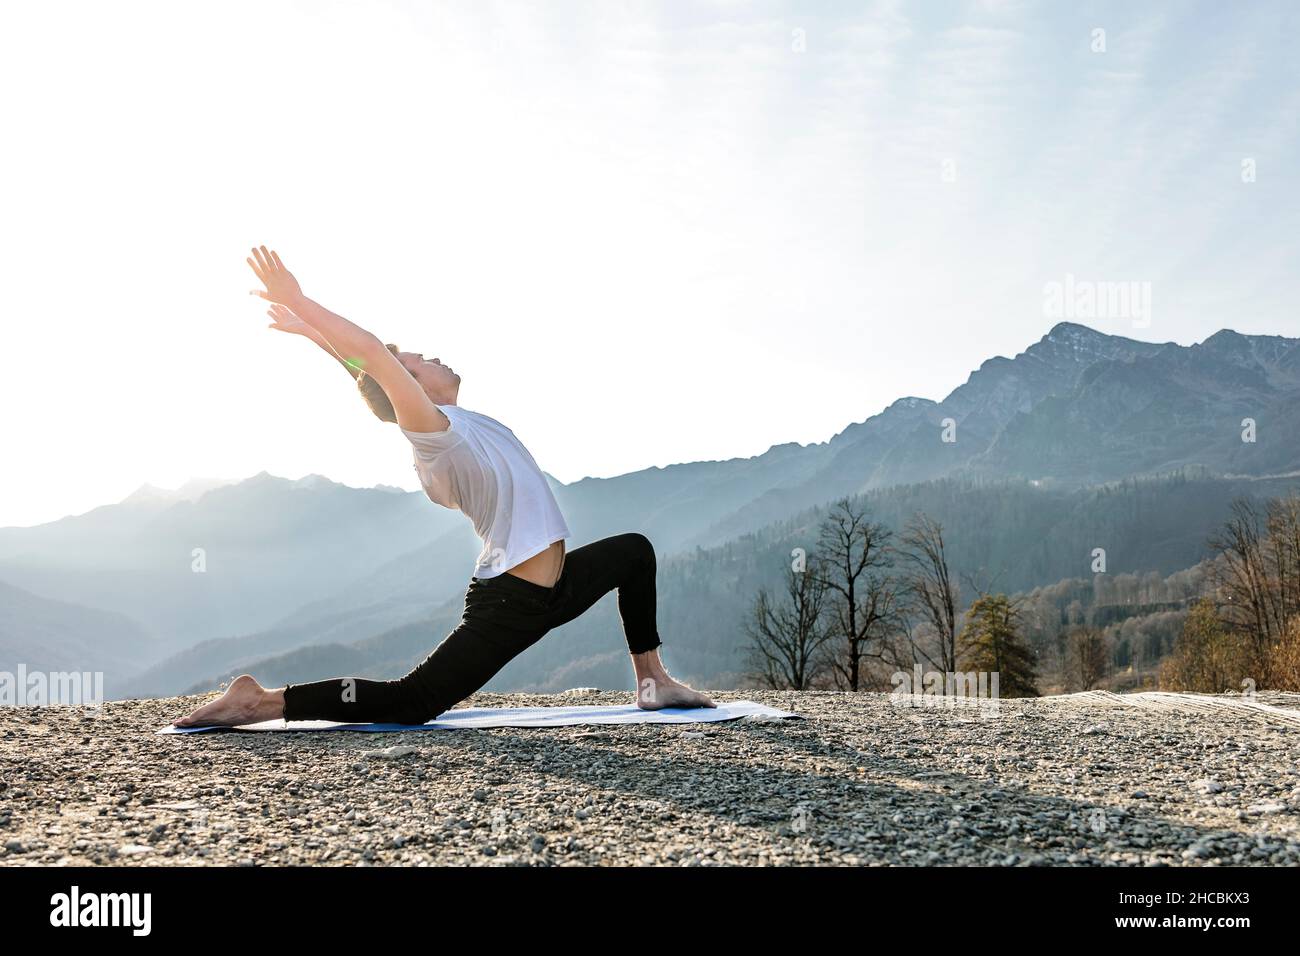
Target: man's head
<point x="439" y="382"/>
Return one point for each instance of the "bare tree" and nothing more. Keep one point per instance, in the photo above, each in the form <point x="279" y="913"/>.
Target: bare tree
<point x="1257" y="570"/>
<point x="1283" y="524"/>
<point x="787" y="636"/>
<point x="930" y="590"/>
<point x="1242" y="575"/>
<point x="853" y="560"/>
<point x="1087" y="658"/>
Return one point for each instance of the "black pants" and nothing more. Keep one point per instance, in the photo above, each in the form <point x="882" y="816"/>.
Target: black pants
<point x="503" y="616"/>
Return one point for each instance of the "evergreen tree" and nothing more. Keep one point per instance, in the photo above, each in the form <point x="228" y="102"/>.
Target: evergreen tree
<point x="990" y="642"/>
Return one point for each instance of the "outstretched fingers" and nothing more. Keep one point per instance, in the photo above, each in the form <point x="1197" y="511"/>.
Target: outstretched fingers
<point x="265" y="268"/>
<point x="268" y="267"/>
<point x="260" y="271"/>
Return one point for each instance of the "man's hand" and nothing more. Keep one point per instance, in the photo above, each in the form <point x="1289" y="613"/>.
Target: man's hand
<point x="281" y="286"/>
<point x="283" y="320"/>
<point x="414" y="409"/>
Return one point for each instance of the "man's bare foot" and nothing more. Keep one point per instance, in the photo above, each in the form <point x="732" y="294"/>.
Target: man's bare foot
<point x="656" y="694"/>
<point x="244" y="702"/>
<point x="655" y="690"/>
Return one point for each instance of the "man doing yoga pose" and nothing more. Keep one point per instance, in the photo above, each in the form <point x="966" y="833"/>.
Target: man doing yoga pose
<point x="524" y="584"/>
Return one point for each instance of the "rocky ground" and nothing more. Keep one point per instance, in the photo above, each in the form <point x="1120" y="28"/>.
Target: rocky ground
<point x="1077" y="780"/>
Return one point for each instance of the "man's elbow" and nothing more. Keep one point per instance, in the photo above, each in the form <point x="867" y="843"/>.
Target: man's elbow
<point x="368" y="353"/>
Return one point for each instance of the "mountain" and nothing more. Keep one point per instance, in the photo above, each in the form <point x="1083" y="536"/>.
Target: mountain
<point x="904" y="443"/>
<point x="1015" y="535"/>
<point x="406" y="589"/>
<point x="296" y="565"/>
<point x="672" y="504"/>
<point x="265" y="546"/>
<point x="1161" y="410"/>
<point x="192" y="490"/>
<point x="58" y="636"/>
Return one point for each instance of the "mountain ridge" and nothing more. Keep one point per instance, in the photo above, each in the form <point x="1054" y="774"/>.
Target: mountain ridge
<point x="1076" y="408"/>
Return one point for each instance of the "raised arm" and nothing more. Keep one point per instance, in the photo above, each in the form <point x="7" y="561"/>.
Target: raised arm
<point x="357" y="348"/>
<point x="283" y="320"/>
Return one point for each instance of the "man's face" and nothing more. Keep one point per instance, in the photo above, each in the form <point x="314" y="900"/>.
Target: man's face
<point x="434" y="377"/>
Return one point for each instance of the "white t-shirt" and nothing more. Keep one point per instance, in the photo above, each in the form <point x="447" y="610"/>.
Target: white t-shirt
<point x="479" y="467"/>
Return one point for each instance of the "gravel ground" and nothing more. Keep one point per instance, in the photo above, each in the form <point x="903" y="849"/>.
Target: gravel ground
<point x="1050" y="781"/>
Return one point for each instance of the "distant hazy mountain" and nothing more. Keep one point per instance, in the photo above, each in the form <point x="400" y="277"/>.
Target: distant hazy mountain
<point x="45" y="635"/>
<point x="1012" y="535"/>
<point x="192" y="490"/>
<point x="409" y="588"/>
<point x="292" y="565"/>
<point x="268" y="546"/>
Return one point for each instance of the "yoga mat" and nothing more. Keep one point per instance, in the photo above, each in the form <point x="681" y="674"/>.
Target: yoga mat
<point x="481" y="717"/>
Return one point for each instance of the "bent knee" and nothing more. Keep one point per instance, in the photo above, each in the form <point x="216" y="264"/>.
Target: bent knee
<point x="640" y="546"/>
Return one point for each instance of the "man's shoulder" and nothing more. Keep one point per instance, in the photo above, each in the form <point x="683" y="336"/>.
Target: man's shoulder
<point x="459" y="414"/>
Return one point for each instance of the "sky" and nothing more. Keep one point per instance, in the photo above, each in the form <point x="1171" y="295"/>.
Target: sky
<point x="643" y="233"/>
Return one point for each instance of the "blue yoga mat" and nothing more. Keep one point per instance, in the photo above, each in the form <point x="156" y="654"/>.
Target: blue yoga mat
<point x="482" y="717"/>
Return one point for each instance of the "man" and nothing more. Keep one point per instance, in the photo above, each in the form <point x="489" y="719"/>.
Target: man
<point x="524" y="583"/>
